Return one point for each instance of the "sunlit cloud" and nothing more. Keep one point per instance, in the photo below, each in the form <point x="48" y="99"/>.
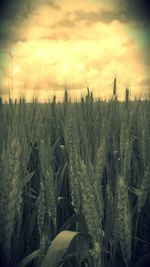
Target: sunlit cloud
<point x="54" y="45"/>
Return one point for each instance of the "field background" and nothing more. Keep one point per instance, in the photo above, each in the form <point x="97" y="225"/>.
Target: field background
<point x="74" y="182"/>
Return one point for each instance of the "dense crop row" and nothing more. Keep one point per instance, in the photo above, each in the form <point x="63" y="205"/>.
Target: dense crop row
<point x="74" y="182"/>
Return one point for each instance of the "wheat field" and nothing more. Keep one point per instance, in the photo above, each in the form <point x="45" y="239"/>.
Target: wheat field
<point x="74" y="182"/>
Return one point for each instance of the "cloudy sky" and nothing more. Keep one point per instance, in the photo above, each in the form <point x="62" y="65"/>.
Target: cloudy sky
<point x="50" y="45"/>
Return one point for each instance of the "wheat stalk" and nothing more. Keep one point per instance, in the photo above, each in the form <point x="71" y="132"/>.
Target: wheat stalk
<point x="93" y="217"/>
<point x="74" y="170"/>
<point x="124" y="220"/>
<point x="11" y="192"/>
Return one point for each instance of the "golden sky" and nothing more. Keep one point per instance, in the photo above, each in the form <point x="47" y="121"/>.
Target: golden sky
<point x="48" y="46"/>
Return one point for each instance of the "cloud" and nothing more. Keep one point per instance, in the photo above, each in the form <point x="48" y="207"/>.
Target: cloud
<point x="13" y="13"/>
<point x="145" y="82"/>
<point x="108" y="11"/>
<point x="126" y="11"/>
<point x="100" y="15"/>
<point x="136" y="10"/>
<point x="4" y="91"/>
<point x="78" y="43"/>
<point x="15" y="8"/>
